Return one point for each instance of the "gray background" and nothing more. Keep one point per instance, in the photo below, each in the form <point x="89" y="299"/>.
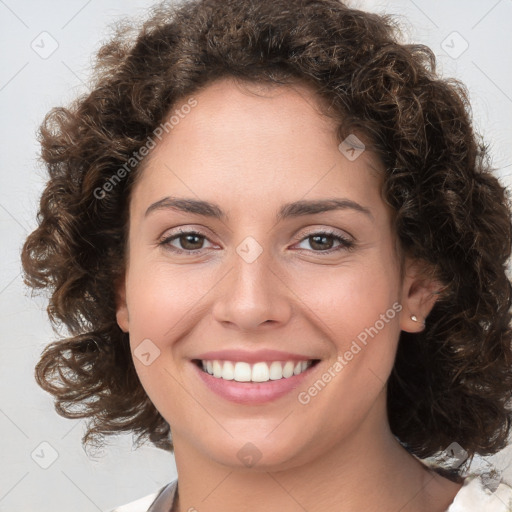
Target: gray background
<point x="31" y="82"/>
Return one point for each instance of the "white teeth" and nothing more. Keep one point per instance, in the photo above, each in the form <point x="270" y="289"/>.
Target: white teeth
<point x="260" y="372"/>
<point x="276" y="371"/>
<point x="228" y="371"/>
<point x="288" y="369"/>
<point x="217" y="369"/>
<point x="241" y="371"/>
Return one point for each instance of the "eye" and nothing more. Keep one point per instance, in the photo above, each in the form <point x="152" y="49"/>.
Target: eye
<point x="187" y="241"/>
<point x="324" y="241"/>
<point x="320" y="242"/>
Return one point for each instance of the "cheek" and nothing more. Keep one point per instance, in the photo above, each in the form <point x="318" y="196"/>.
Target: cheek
<point x="162" y="296"/>
<point x="349" y="299"/>
<point x="357" y="309"/>
<point x="164" y="303"/>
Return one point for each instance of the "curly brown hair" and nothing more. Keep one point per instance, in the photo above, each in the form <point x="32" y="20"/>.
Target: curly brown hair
<point x="450" y="382"/>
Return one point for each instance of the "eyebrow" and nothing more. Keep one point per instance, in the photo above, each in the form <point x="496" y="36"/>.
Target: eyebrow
<point x="288" y="210"/>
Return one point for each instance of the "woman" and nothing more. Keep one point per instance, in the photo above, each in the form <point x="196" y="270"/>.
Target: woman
<point x="272" y="233"/>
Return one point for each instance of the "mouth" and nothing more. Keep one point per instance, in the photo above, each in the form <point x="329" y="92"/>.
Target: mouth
<point x="257" y="372"/>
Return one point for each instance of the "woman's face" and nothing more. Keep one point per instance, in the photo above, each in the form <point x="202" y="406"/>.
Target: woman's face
<point x="274" y="276"/>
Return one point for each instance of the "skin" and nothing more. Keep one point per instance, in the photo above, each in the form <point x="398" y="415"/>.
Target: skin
<point x="250" y="149"/>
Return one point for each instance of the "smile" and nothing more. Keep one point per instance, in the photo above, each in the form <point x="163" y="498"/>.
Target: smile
<point x="263" y="371"/>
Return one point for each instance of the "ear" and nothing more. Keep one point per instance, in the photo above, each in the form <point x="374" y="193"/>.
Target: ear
<point x="122" y="317"/>
<point x="420" y="291"/>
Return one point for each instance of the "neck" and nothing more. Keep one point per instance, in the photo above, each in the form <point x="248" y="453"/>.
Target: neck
<point x="369" y="470"/>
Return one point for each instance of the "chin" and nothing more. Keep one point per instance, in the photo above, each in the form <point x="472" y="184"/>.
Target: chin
<point x="258" y="452"/>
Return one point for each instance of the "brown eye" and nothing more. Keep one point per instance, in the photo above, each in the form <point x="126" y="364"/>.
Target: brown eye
<point x="327" y="242"/>
<point x="321" y="242"/>
<point x="184" y="241"/>
<point x="191" y="241"/>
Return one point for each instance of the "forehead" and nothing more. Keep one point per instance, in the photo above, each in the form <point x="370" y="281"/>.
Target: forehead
<point x="254" y="140"/>
<point x="234" y="113"/>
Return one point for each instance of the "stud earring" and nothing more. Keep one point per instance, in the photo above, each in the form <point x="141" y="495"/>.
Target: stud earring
<point x="414" y="318"/>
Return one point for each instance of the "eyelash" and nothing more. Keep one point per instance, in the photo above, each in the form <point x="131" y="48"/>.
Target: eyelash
<point x="344" y="243"/>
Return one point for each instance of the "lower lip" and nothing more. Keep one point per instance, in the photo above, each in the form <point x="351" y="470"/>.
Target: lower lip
<point x="252" y="392"/>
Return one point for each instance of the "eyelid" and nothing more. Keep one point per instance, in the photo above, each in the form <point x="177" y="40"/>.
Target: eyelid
<point x="303" y="234"/>
<point x="185" y="229"/>
<point x="313" y="230"/>
<point x="175" y="233"/>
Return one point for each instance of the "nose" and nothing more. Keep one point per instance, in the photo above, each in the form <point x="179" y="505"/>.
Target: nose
<point x="253" y="294"/>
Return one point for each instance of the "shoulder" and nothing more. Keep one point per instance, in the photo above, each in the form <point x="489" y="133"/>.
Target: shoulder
<point x="153" y="502"/>
<point x="140" y="505"/>
<point x="476" y="496"/>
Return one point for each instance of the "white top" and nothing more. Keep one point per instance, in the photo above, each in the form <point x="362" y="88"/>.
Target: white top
<point x="473" y="496"/>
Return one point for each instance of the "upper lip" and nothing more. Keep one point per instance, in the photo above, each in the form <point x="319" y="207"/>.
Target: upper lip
<point x="252" y="356"/>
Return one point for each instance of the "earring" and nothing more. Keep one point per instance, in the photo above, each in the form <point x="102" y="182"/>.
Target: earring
<point x="414" y="318"/>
